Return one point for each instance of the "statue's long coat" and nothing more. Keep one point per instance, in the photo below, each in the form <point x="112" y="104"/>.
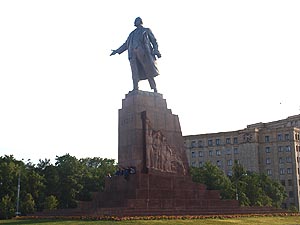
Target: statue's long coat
<point x="143" y="40"/>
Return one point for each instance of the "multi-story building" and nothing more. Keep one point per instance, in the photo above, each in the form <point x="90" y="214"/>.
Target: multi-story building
<point x="272" y="148"/>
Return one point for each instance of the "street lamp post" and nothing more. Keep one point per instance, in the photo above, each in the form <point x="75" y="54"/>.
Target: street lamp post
<point x="236" y="192"/>
<point x="236" y="186"/>
<point x="18" y="194"/>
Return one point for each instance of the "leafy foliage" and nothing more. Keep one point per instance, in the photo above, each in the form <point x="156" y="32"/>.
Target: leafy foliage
<point x="28" y="204"/>
<point x="214" y="179"/>
<point x="51" y="202"/>
<point x="50" y="186"/>
<point x="6" y="207"/>
<point x="95" y="170"/>
<point x="249" y="188"/>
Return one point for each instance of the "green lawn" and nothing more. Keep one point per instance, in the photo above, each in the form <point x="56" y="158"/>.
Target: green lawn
<point x="276" y="220"/>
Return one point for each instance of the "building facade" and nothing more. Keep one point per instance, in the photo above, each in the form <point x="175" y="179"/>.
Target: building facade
<point x="272" y="148"/>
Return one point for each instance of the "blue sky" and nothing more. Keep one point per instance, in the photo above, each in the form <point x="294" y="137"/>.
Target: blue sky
<point x="224" y="65"/>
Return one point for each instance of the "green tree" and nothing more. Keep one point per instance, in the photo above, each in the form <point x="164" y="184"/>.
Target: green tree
<point x="33" y="183"/>
<point x="6" y="208"/>
<point x="10" y="169"/>
<point x="239" y="183"/>
<point x="51" y="182"/>
<point x="70" y="173"/>
<point x="51" y="202"/>
<point x="65" y="182"/>
<point x="97" y="168"/>
<point x="255" y="189"/>
<point x="273" y="190"/>
<point x="9" y="172"/>
<point x="214" y="179"/>
<point x="70" y="179"/>
<point x="27" y="205"/>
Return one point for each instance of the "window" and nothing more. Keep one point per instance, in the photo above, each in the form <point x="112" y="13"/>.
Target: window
<point x="200" y="144"/>
<point x="282" y="171"/>
<point x="282" y="182"/>
<point x="219" y="163"/>
<point x="279" y="137"/>
<point x="267" y="139"/>
<point x="288" y="159"/>
<point x="201" y="164"/>
<point x="229" y="162"/>
<point x="210" y="152"/>
<point x="269" y="172"/>
<point x="235" y="140"/>
<point x="193" y="155"/>
<point x="218" y="142"/>
<point x="288" y="148"/>
<point x="268" y="161"/>
<point x="193" y="144"/>
<point x="268" y="149"/>
<point x="287" y="137"/>
<point x="236" y="151"/>
<point x="218" y="152"/>
<point x="228" y="140"/>
<point x="228" y="151"/>
<point x="291" y="194"/>
<point x="210" y="143"/>
<point x="229" y="173"/>
<point x="290" y="182"/>
<point x="289" y="170"/>
<point x="281" y="160"/>
<point x="200" y="154"/>
<point x="193" y="164"/>
<point x="280" y="149"/>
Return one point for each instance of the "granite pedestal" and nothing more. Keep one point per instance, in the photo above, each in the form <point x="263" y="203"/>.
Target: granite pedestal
<point x="150" y="141"/>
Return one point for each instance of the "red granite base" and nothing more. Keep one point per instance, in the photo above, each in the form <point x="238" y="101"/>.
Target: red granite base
<point x="156" y="195"/>
<point x="148" y="194"/>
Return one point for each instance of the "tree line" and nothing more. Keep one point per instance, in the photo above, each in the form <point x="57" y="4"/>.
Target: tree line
<point x="47" y="185"/>
<point x="68" y="180"/>
<point x="249" y="188"/>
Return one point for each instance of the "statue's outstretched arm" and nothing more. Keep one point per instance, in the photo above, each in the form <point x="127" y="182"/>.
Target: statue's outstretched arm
<point x="120" y="50"/>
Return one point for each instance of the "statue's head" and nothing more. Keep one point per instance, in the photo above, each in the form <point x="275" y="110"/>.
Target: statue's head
<point x="138" y="21"/>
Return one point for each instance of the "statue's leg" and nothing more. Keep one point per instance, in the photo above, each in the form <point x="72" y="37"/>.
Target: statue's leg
<point x="152" y="83"/>
<point x="134" y="71"/>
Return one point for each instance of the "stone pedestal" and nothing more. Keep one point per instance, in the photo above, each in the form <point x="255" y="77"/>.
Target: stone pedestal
<point x="150" y="136"/>
<point x="150" y="140"/>
<point x="160" y="194"/>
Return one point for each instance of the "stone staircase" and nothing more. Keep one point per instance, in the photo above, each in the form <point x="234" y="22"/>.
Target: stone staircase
<point x="156" y="195"/>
